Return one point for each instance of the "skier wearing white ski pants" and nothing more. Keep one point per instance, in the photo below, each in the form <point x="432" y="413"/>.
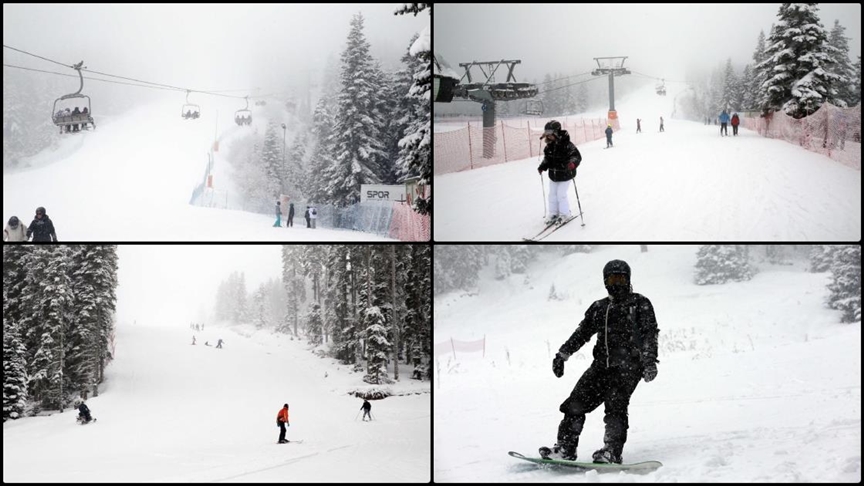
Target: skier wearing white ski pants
<point x="559" y="204"/>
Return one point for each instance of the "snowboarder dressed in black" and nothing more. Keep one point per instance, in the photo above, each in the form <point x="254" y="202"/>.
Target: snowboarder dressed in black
<point x="42" y="228"/>
<point x="626" y="351"/>
<point x="608" y="135"/>
<point x="84" y="413"/>
<point x="367" y="410"/>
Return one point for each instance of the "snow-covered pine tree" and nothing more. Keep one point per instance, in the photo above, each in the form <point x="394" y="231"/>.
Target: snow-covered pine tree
<point x="315" y="326"/>
<point x="413" y="8"/>
<point x="339" y="317"/>
<point x="361" y="158"/>
<point x="856" y="86"/>
<point x="293" y="170"/>
<point x="798" y="56"/>
<point x="324" y="119"/>
<point x="845" y="286"/>
<point x="375" y="335"/>
<point x="241" y="312"/>
<point x="747" y="97"/>
<point x="271" y="161"/>
<point x="730" y="88"/>
<point x="457" y="267"/>
<point x="718" y="264"/>
<point x="416" y="316"/>
<point x="292" y="279"/>
<point x="502" y="263"/>
<point x="821" y="257"/>
<point x="415" y="156"/>
<point x="759" y="74"/>
<point x="520" y="256"/>
<point x="14" y="365"/>
<point x="568" y="249"/>
<point x="258" y="306"/>
<point x="842" y="66"/>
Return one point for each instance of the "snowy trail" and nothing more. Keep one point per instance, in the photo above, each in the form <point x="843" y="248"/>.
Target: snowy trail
<point x="170" y="411"/>
<point x="132" y="178"/>
<point x="757" y="382"/>
<point x="685" y="184"/>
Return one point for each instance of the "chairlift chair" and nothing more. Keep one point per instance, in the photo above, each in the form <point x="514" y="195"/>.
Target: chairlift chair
<point x="243" y="116"/>
<point x="190" y="111"/>
<point x="661" y="88"/>
<point x="61" y="119"/>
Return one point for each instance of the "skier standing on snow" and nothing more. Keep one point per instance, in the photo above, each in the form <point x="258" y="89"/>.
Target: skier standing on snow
<point x="282" y="422"/>
<point x="290" y="222"/>
<point x="367" y="410"/>
<point x="306" y="215"/>
<point x="625" y="352"/>
<point x="661" y="124"/>
<point x="313" y="214"/>
<point x="561" y="158"/>
<point x="84" y="413"/>
<point x="42" y="228"/>
<point x="608" y="135"/>
<point x="15" y="230"/>
<point x="724" y="119"/>
<point x="278" y="215"/>
<point x="638" y="125"/>
<point x="735" y="122"/>
<point x="219" y="344"/>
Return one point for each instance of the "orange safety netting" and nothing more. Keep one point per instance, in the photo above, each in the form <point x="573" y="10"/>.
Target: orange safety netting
<point x="830" y="131"/>
<point x="473" y="147"/>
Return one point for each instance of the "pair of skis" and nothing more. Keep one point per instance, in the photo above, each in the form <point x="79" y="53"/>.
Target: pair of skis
<point x="551" y="228"/>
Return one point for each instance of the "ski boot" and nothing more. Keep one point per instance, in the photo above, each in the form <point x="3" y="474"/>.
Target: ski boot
<point x="552" y="220"/>
<point x="558" y="452"/>
<point x="607" y="456"/>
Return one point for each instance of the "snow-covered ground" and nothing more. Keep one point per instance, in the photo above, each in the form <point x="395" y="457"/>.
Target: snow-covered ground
<point x="685" y="184"/>
<point x="131" y="179"/>
<point x="758" y="381"/>
<point x="172" y="412"/>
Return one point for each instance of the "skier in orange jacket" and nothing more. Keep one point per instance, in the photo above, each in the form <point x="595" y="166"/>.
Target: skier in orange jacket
<point x="281" y="422"/>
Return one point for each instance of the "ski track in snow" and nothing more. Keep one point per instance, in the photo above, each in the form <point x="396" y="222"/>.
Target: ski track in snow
<point x="686" y="184"/>
<point x="758" y="381"/>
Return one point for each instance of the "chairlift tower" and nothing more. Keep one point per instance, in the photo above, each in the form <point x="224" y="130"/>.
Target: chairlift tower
<point x="611" y="66"/>
<point x="487" y="91"/>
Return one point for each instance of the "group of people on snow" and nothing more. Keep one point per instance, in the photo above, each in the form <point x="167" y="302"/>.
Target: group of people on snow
<point x="207" y="343"/>
<point x="41" y="229"/>
<point x="725" y="119"/>
<point x="196" y="327"/>
<point x="311" y="215"/>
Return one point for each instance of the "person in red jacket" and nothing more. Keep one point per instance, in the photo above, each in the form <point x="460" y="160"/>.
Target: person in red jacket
<point x="735" y="122"/>
<point x="281" y="422"/>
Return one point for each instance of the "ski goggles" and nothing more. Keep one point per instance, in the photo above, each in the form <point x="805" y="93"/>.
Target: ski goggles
<point x="617" y="279"/>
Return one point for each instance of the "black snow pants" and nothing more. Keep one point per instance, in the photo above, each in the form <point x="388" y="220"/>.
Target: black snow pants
<point x="612" y="386"/>
<point x="282" y="431"/>
<point x="723" y="129"/>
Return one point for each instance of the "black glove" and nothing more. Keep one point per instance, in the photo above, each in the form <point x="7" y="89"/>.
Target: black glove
<point x="540" y="169"/>
<point x="649" y="372"/>
<point x="558" y="366"/>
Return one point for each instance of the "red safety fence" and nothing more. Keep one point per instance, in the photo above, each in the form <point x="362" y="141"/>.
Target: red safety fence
<point x="408" y="225"/>
<point x="473" y="147"/>
<point x="830" y="131"/>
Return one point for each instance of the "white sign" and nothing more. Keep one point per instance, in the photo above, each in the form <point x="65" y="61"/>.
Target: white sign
<point x="375" y="192"/>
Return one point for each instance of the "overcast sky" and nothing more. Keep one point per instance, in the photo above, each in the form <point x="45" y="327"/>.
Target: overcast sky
<point x="173" y="284"/>
<point x="660" y="39"/>
<point x="207" y="46"/>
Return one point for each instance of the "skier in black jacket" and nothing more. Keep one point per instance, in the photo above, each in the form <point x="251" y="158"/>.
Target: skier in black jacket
<point x="561" y="158"/>
<point x="41" y="228"/>
<point x="626" y="351"/>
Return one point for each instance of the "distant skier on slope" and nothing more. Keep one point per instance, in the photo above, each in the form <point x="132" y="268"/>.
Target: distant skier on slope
<point x="278" y="215"/>
<point x="608" y="135"/>
<point x="735" y="122"/>
<point x="638" y="125"/>
<point x="626" y="351"/>
<point x="560" y="158"/>
<point x="83" y="412"/>
<point x="282" y="422"/>
<point x="367" y="410"/>
<point x="724" y="119"/>
<point x="661" y="124"/>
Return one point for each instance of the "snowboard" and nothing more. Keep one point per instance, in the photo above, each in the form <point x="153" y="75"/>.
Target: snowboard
<point x="638" y="467"/>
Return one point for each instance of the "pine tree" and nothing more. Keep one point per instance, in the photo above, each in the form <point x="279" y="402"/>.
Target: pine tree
<point x="293" y="170"/>
<point x="14" y="365"/>
<point x="845" y="288"/>
<point x="457" y="267"/>
<point x="821" y="257"/>
<point x="292" y="279"/>
<point x="730" y="86"/>
<point x="856" y="85"/>
<point x="502" y="264"/>
<point x="759" y="75"/>
<point x="271" y="160"/>
<point x="314" y="326"/>
<point x="748" y="98"/>
<point x="417" y="315"/>
<point x="798" y="56"/>
<point x="413" y="8"/>
<point x="842" y="66"/>
<point x="361" y="155"/>
<point x="520" y="256"/>
<point x="326" y="147"/>
<point x="339" y="316"/>
<point x="377" y="345"/>
<point x="415" y="155"/>
<point x="718" y="264"/>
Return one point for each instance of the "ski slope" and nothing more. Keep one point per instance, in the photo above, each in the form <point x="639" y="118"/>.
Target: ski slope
<point x="172" y="412"/>
<point x="757" y="382"/>
<point x="131" y="179"/>
<point x="685" y="184"/>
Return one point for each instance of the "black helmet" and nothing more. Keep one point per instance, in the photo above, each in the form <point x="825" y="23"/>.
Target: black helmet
<point x="616" y="266"/>
<point x="285" y="406"/>
<point x="40" y="210"/>
<point x="552" y="128"/>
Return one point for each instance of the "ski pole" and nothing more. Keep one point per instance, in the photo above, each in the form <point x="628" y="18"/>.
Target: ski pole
<point x="358" y="414"/>
<point x="544" y="195"/>
<point x="578" y="202"/>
